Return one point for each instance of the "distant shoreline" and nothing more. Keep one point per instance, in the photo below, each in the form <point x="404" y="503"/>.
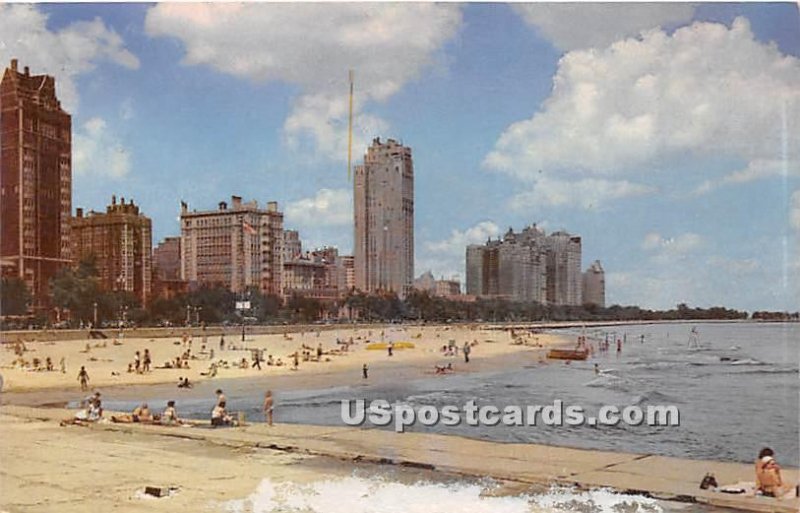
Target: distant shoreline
<point x="50" y="335"/>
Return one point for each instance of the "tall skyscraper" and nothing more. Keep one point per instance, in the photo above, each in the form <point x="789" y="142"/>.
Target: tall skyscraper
<point x="237" y="247"/>
<point x="384" y="219"/>
<point x="120" y="241"/>
<point x="35" y="180"/>
<point x="594" y="285"/>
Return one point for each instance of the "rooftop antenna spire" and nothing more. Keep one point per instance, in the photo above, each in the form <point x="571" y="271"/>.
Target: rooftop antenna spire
<point x="350" y="129"/>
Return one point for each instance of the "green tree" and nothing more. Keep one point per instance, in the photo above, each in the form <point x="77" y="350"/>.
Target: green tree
<point x="77" y="289"/>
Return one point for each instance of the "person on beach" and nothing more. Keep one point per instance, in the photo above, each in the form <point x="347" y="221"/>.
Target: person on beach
<point x="390" y="348"/>
<point x="296" y="360"/>
<point x="365" y="371"/>
<point x="220" y="417"/>
<point x="137" y="362"/>
<point x="268" y="407"/>
<point x="222" y="342"/>
<point x="62" y="364"/>
<point x="170" y="415"/>
<point x="769" y="482"/>
<point x="467" y="350"/>
<point x="146" y="361"/>
<point x="220" y="396"/>
<point x="319" y="352"/>
<point x="142" y="414"/>
<point x="83" y="377"/>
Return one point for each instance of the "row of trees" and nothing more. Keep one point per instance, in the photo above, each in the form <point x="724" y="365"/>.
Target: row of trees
<point x="78" y="292"/>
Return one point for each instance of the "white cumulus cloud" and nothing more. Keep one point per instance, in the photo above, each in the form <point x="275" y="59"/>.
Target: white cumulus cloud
<point x="755" y="170"/>
<point x="67" y="53"/>
<point x="588" y="193"/>
<point x="97" y="151"/>
<point x="447" y="257"/>
<point x="329" y="207"/>
<point x="706" y="91"/>
<point x="313" y="46"/>
<point x="571" y="26"/>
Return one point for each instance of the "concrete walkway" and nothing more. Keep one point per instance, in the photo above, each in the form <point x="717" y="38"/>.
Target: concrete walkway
<point x="657" y="476"/>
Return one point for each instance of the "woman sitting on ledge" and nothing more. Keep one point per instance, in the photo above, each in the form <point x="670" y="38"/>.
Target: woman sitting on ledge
<point x="769" y="482"/>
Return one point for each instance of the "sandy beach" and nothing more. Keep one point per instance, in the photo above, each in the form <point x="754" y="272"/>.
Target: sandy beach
<point x="107" y="361"/>
<point x="48" y="467"/>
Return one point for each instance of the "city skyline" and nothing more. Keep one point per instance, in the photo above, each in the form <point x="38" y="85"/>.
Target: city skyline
<point x="685" y="211"/>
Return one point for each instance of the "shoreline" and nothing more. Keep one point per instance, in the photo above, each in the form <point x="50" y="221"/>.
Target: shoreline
<point x="520" y="468"/>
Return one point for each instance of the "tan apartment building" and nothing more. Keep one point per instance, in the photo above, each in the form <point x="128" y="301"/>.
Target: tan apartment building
<point x="236" y="246"/>
<point x="594" y="285"/>
<point x="383" y="195"/>
<point x="120" y="242"/>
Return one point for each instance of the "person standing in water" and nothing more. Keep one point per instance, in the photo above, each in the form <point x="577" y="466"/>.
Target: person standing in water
<point x="268" y="407"/>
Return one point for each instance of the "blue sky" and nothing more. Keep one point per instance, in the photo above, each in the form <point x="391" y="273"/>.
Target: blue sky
<point x="666" y="135"/>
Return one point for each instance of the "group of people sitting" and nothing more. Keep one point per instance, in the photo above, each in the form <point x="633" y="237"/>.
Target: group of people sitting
<point x="142" y="414"/>
<point x="91" y="411"/>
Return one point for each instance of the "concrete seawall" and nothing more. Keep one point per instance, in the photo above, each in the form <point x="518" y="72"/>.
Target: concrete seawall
<point x="520" y="466"/>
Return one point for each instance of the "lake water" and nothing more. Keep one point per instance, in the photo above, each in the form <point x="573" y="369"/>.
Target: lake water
<point x="737" y="389"/>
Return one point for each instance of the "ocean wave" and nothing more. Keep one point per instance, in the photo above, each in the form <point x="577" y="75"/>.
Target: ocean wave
<point x="771" y="370"/>
<point x="602" y="500"/>
<point x="377" y="495"/>
<point x="653" y="396"/>
<point x="312" y="404"/>
<point x="747" y="361"/>
<point x="374" y="495"/>
<point x="433" y="397"/>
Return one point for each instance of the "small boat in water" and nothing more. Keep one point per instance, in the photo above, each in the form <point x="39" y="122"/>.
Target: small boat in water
<point x="568" y="354"/>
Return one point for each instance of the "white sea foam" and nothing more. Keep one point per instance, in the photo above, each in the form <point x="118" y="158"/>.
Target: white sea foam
<point x="374" y="495"/>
